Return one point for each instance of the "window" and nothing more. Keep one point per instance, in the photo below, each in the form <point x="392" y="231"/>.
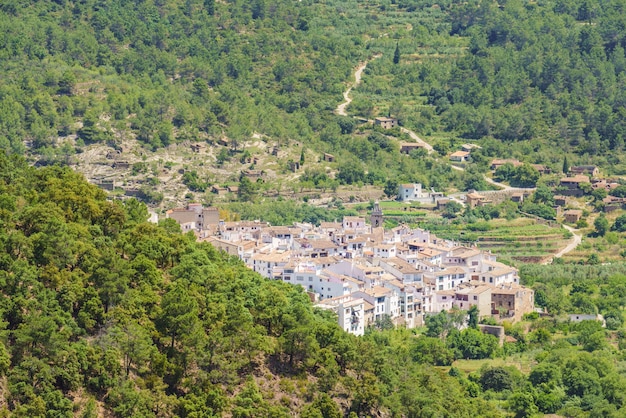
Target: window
<point x="310" y="279"/>
<point x="475" y="297"/>
<point x="440" y="287"/>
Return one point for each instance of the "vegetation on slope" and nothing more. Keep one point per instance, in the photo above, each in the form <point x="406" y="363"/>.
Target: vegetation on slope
<point x="536" y="77"/>
<point x="100" y="311"/>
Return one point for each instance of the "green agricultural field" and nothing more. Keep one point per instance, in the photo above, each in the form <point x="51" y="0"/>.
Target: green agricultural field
<point x="519" y="239"/>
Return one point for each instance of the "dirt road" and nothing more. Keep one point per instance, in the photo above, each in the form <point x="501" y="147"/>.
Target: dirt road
<point x="341" y="109"/>
<point x="576" y="239"/>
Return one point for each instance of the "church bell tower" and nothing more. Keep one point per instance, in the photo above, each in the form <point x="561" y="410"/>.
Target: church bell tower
<point x="376" y="217"/>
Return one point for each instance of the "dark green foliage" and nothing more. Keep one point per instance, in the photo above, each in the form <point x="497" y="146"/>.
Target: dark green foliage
<point x="620" y="224"/>
<point x="524" y="175"/>
<point x="539" y="209"/>
<point x="193" y="182"/>
<point x="246" y="190"/>
<point x="472" y="344"/>
<point x="433" y="351"/>
<point x="499" y="378"/>
<point x="396" y="55"/>
<point x="452" y="209"/>
<point x="601" y="225"/>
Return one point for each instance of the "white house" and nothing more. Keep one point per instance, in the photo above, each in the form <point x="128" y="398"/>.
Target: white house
<point x="498" y="275"/>
<point x="460" y="156"/>
<point x="385" y="301"/>
<point x="443" y="300"/>
<point x="350" y="312"/>
<point x="401" y="269"/>
<point x="411" y="191"/>
<point x="355" y="223"/>
<point x="384" y="250"/>
<point x="410" y="300"/>
<point x="447" y="279"/>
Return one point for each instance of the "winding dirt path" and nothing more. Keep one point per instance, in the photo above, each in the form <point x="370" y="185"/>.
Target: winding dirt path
<point x="341" y="108"/>
<point x="576" y="239"/>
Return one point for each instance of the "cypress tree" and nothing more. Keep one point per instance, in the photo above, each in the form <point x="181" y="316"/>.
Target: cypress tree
<point x="565" y="165"/>
<point x="396" y="55"/>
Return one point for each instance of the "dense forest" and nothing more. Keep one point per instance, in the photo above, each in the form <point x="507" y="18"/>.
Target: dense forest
<point x="166" y="71"/>
<point x="533" y="76"/>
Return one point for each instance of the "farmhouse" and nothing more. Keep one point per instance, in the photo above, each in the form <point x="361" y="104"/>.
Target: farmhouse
<point x="572" y="216"/>
<point x="572" y="184"/>
<point x="497" y="163"/>
<point x="407" y="147"/>
<point x="512" y="300"/>
<point x="470" y="147"/>
<point x="474" y="199"/>
<point x="460" y="156"/>
<point x="591" y="170"/>
<point x="386" y="123"/>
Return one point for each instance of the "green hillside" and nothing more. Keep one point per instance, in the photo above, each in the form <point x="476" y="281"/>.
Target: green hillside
<point x="525" y="79"/>
<point x="102" y="314"/>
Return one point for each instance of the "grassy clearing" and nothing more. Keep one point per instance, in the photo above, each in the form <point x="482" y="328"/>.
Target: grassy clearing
<point x="524" y="362"/>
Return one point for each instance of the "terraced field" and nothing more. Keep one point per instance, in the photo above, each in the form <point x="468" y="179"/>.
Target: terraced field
<point x="519" y="239"/>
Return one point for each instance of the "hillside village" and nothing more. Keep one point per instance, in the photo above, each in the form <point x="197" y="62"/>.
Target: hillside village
<point x="365" y="273"/>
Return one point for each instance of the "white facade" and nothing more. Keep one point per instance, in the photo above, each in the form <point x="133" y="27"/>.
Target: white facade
<point x="350" y="313"/>
<point x="351" y="316"/>
<point x="385" y="302"/>
<point x="411" y="191"/>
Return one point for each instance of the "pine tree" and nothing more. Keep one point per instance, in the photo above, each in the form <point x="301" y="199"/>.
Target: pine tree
<point x="209" y="5"/>
<point x="396" y="55"/>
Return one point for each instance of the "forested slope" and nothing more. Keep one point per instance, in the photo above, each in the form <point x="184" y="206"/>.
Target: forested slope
<point x="166" y="70"/>
<point x="534" y="76"/>
<point x="531" y="77"/>
<point x="102" y="314"/>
